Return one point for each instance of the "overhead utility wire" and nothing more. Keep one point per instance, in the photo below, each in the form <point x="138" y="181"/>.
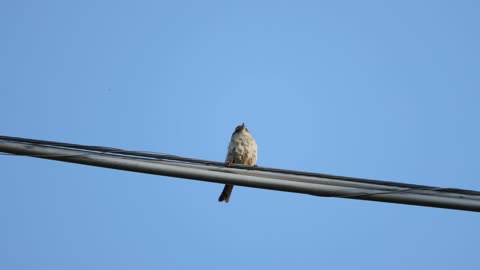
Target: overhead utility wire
<point x="259" y="177"/>
<point x="160" y="156"/>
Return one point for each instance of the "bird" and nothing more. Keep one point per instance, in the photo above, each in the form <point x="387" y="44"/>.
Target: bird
<point x="242" y="149"/>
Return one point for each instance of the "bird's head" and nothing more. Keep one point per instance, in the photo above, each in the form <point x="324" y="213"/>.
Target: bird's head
<point x="240" y="128"/>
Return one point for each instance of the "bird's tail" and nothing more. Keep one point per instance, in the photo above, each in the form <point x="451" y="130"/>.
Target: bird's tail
<point x="225" y="196"/>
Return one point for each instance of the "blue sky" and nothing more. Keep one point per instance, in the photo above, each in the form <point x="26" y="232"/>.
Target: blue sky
<point x="377" y="89"/>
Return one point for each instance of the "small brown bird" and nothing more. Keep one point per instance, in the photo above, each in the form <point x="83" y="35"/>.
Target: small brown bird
<point x="241" y="150"/>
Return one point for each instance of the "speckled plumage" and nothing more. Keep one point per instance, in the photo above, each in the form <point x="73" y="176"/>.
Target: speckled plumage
<point x="241" y="150"/>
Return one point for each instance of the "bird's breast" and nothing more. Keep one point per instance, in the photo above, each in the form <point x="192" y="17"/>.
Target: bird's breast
<point x="242" y="150"/>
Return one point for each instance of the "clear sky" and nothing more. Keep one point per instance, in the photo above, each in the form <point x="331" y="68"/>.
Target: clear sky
<point x="386" y="90"/>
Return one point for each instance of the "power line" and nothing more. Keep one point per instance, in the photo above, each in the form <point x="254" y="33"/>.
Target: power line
<point x="258" y="177"/>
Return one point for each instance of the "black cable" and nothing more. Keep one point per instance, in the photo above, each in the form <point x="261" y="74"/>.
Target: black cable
<point x="167" y="157"/>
